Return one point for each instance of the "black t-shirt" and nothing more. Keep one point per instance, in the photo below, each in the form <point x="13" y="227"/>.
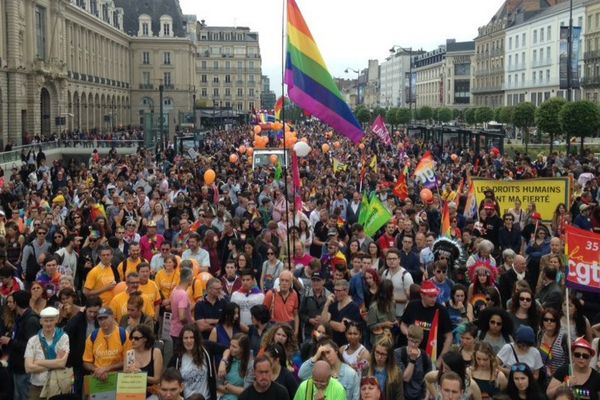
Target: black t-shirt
<point x="351" y="311"/>
<point x="286" y="379"/>
<point x="587" y="391"/>
<point x="415" y="313"/>
<point x="275" y="392"/>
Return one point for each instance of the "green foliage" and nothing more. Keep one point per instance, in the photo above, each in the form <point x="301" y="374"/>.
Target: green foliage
<point x="580" y="118"/>
<point x="444" y="114"/>
<point x="457" y="114"/>
<point x="524" y="117"/>
<point x="505" y="114"/>
<point x="425" y="113"/>
<point x="483" y="115"/>
<point x="390" y="117"/>
<point x="379" y="111"/>
<point x="470" y="116"/>
<point x="363" y="115"/>
<point x="546" y="115"/>
<point x="402" y="116"/>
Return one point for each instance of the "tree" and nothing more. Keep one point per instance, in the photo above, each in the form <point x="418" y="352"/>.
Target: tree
<point x="470" y="116"/>
<point x="505" y="115"/>
<point x="483" y="115"/>
<point x="523" y="118"/>
<point x="378" y="111"/>
<point x="425" y="113"/>
<point x="457" y="114"/>
<point x="444" y="114"/>
<point x="390" y="117"/>
<point x="579" y="118"/>
<point x="403" y="116"/>
<point x="546" y="117"/>
<point x="363" y="115"/>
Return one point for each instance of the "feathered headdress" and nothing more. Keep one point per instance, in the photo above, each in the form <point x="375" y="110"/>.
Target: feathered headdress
<point x="490" y="270"/>
<point x="451" y="249"/>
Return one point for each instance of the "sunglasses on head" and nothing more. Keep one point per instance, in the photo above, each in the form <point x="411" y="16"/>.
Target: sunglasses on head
<point x="520" y="367"/>
<point x="369" y="380"/>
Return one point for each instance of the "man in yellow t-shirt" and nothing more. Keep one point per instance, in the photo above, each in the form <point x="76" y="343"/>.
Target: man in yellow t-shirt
<point x="148" y="287"/>
<point x="106" y="346"/>
<point x="130" y="264"/>
<point x="118" y="304"/>
<point x="101" y="280"/>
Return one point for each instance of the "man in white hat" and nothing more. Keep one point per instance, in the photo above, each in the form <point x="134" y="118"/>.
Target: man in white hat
<point x="45" y="351"/>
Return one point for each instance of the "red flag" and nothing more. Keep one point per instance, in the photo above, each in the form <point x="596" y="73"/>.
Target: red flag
<point x="296" y="171"/>
<point x="446" y="228"/>
<point x="431" y="348"/>
<point x="401" y="189"/>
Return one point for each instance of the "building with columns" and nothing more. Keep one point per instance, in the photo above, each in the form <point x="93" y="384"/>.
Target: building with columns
<point x="99" y="64"/>
<point x="430" y="68"/>
<point x="591" y="58"/>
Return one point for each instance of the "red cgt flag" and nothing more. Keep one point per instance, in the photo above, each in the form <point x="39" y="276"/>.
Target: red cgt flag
<point x="401" y="189"/>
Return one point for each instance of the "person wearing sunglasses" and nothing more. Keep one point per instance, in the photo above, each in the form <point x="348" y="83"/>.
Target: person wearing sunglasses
<point x="524" y="310"/>
<point x="584" y="380"/>
<point x="143" y="356"/>
<point x="522" y="384"/>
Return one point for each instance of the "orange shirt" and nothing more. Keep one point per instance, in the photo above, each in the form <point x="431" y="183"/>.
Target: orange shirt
<point x="99" y="277"/>
<point x="282" y="310"/>
<point x="106" y="350"/>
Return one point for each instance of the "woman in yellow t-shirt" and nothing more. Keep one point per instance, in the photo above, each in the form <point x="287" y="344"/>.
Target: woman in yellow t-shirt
<point x="167" y="278"/>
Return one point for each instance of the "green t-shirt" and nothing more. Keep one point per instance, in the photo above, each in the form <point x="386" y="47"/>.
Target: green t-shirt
<point x="308" y="391"/>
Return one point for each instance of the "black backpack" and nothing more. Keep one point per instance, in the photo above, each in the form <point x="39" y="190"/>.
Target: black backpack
<point x="32" y="266"/>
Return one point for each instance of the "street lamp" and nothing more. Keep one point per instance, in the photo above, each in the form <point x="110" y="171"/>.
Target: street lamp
<point x="410" y="72"/>
<point x="357" y="83"/>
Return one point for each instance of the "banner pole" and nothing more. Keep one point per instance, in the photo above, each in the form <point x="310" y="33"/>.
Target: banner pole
<point x="569" y="339"/>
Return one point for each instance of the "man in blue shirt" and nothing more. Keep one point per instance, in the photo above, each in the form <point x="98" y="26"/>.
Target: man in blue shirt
<point x="410" y="260"/>
<point x="582" y="221"/>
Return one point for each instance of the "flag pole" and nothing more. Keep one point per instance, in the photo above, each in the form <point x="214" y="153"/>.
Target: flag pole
<point x="285" y="154"/>
<point x="569" y="339"/>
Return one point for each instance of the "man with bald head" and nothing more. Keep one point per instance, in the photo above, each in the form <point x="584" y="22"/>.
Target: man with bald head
<point x="283" y="302"/>
<point x="321" y="385"/>
<point x="506" y="283"/>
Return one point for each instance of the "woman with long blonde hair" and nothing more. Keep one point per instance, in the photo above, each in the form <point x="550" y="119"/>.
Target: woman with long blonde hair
<point x="485" y="371"/>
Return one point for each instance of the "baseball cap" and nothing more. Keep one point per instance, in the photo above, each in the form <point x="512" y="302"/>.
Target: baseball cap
<point x="525" y="335"/>
<point x="105" y="312"/>
<point x="316" y="276"/>
<point x="428" y="288"/>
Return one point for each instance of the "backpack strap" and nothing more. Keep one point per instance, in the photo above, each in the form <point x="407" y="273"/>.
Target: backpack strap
<point x="94" y="335"/>
<point x="122" y="335"/>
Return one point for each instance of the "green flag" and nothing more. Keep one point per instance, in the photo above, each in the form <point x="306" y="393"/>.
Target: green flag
<point x="278" y="172"/>
<point x="364" y="209"/>
<point x="377" y="216"/>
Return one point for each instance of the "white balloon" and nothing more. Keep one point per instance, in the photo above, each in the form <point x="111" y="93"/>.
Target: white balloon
<point x="302" y="149"/>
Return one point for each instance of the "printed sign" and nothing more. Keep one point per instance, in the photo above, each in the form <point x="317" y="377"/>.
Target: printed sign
<point x="582" y="248"/>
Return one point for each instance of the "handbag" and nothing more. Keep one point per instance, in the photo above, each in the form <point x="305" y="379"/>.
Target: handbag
<point x="59" y="382"/>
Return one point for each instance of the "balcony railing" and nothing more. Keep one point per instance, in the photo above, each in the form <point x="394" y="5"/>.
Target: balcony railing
<point x="146" y="86"/>
<point x="542" y="62"/>
<point x="516" y="66"/>
<point x="590" y="81"/>
<point x="591" y="54"/>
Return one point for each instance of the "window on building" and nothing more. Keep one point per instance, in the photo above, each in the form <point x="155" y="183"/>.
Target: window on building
<point x="547" y="75"/>
<point x="523" y="41"/>
<point x="145" y="57"/>
<point x="534" y="56"/>
<point x="216" y="91"/>
<point x="251" y="64"/>
<point x="227" y="78"/>
<point x="516" y="60"/>
<point x="516" y="79"/>
<point x="541" y="34"/>
<point x="167" y="57"/>
<point x="203" y="64"/>
<point x="580" y="21"/>
<point x="462" y="69"/>
<point x="534" y="36"/>
<point x="516" y="41"/>
<point x="509" y="61"/>
<point x="240" y="92"/>
<point x="146" y="78"/>
<point x="203" y="79"/>
<point x="94" y="7"/>
<point x="251" y="92"/>
<point x="542" y="55"/>
<point x="40" y="32"/>
<point x="522" y="78"/>
<point x="548" y="55"/>
<point x="215" y="79"/>
<point x="227" y="92"/>
<point x="215" y="64"/>
<point x="541" y="76"/>
<point x="510" y="43"/>
<point x="533" y="77"/>
<point x="240" y="106"/>
<point x="167" y="79"/>
<point x="251" y="105"/>
<point x="240" y="65"/>
<point x="227" y="65"/>
<point x="589" y="22"/>
<point x="523" y="59"/>
<point x="549" y="33"/>
<point x="166" y="30"/>
<point x="145" y="29"/>
<point x="597" y="20"/>
<point x="203" y="92"/>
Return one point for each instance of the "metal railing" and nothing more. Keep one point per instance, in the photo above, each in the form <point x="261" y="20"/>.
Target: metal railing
<point x="15" y="155"/>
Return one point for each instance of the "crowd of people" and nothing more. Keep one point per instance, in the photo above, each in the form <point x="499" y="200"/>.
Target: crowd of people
<point x="237" y="289"/>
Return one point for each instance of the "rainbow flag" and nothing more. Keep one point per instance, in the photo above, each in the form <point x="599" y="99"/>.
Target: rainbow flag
<point x="279" y="107"/>
<point x="446" y="228"/>
<point x="471" y="203"/>
<point x="264" y="118"/>
<point x="431" y="348"/>
<point x="425" y="171"/>
<point x="309" y="82"/>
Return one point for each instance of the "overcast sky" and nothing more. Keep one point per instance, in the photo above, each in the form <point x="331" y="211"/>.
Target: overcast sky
<point x="350" y="32"/>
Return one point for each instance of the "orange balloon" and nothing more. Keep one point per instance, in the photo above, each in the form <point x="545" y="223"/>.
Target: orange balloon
<point x="121" y="286"/>
<point x="249" y="151"/>
<point x="426" y="196"/>
<point x="361" y="146"/>
<point x="337" y="144"/>
<point x="325" y="148"/>
<point x="242" y="149"/>
<point x="454" y="157"/>
<point x="233" y="158"/>
<point x="277" y="126"/>
<point x="209" y="176"/>
<point x="257" y="129"/>
<point x="274" y="159"/>
<point x="290" y="141"/>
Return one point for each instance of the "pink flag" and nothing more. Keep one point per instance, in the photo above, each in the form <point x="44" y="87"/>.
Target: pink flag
<point x="381" y="131"/>
<point x="295" y="172"/>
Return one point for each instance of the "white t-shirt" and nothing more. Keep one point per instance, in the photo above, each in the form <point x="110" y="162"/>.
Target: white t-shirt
<point x="401" y="280"/>
<point x="201" y="256"/>
<point x="246" y="301"/>
<point x="532" y="358"/>
<point x="34" y="351"/>
<point x="195" y="378"/>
